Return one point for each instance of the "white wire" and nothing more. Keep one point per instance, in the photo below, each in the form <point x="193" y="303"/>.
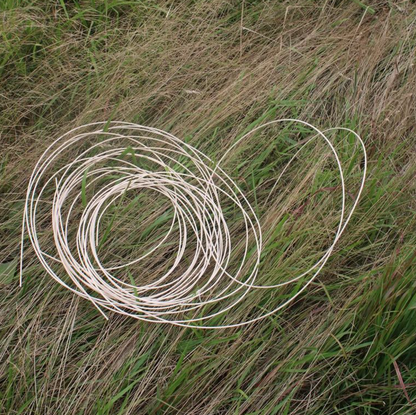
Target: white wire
<point x="196" y="187"/>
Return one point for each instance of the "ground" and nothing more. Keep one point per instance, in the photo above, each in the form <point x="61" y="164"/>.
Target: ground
<point x="207" y="72"/>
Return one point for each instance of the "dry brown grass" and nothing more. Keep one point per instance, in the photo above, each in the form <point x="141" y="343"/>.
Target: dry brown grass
<point x="205" y="71"/>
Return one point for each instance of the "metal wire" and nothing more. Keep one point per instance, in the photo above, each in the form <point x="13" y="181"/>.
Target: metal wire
<point x="197" y="189"/>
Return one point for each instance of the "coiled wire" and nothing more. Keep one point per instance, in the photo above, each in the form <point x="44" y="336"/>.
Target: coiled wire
<point x="215" y="279"/>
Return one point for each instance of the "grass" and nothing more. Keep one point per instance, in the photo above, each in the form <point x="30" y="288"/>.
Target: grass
<point x="208" y="72"/>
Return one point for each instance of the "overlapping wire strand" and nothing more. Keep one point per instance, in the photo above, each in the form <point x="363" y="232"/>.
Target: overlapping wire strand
<point x="215" y="278"/>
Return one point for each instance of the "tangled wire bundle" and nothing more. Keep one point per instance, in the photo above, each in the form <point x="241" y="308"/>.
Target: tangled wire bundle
<point x="196" y="288"/>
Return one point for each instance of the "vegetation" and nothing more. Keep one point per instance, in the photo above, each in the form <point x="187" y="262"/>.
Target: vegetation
<point x="207" y="71"/>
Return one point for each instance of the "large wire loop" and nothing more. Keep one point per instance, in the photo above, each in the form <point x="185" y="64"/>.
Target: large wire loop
<point x="196" y="188"/>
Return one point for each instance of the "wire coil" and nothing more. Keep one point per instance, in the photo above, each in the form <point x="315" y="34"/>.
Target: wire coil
<point x="215" y="279"/>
